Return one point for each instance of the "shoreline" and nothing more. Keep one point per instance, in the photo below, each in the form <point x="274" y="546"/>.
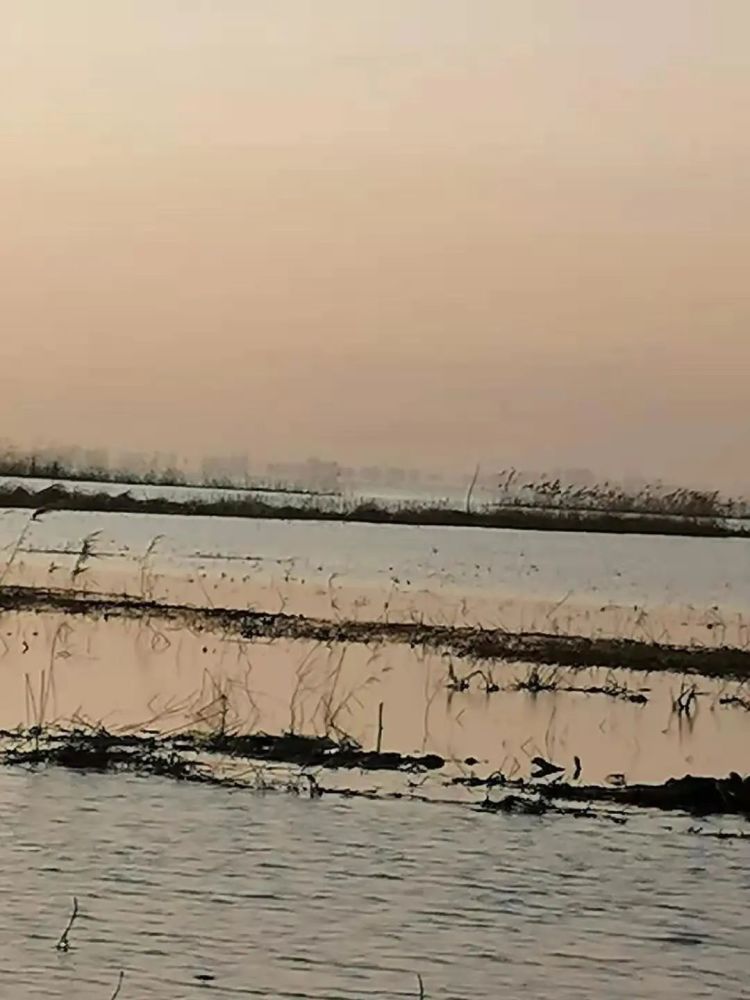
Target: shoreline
<point x="59" y="498"/>
<point x="187" y="757"/>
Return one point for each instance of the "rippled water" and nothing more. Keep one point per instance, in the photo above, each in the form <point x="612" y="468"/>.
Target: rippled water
<point x="276" y="896"/>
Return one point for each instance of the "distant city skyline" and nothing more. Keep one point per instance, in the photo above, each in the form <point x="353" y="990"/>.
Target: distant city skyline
<point x="311" y="471"/>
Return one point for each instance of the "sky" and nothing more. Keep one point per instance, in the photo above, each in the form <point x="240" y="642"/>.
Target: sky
<point x="416" y="232"/>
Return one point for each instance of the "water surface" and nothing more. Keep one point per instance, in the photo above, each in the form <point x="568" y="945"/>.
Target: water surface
<point x="650" y="588"/>
<point x="279" y="896"/>
<point x="136" y="673"/>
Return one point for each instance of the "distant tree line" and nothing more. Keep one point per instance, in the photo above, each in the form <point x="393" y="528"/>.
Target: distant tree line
<point x="509" y="488"/>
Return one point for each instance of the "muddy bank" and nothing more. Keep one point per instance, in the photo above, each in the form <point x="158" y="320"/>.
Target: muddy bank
<point x="176" y="756"/>
<point x="187" y="757"/>
<point x="700" y="796"/>
<point x="314" y="751"/>
<point x="463" y="642"/>
<point x="370" y="512"/>
<point x="696" y="795"/>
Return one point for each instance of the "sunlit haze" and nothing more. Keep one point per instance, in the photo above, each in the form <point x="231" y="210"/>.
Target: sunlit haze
<point x="419" y="232"/>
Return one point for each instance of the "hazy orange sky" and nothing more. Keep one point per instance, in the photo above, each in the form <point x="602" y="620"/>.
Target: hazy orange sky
<point x="405" y="231"/>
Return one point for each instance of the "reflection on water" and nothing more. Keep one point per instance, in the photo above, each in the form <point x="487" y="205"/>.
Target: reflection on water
<point x="127" y="673"/>
<point x="273" y="896"/>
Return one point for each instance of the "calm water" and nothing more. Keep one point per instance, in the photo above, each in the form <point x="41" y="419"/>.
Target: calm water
<point x="150" y="673"/>
<point x="687" y="590"/>
<point x="282" y="897"/>
<point x="646" y="569"/>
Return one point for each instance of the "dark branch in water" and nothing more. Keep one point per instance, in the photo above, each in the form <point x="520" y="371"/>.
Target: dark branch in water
<point x="685" y="702"/>
<point x="118" y="987"/>
<point x="379" y="743"/>
<point x="64" y="944"/>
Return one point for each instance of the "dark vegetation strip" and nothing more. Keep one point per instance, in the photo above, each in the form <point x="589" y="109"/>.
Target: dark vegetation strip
<point x="508" y="517"/>
<point x="467" y="642"/>
<point x="178" y="757"/>
<point x="698" y="795"/>
<point x="100" y="750"/>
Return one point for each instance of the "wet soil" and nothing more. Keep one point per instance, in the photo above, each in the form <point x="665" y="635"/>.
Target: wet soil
<point x="186" y="757"/>
<point x="700" y="796"/>
<point x="101" y="750"/>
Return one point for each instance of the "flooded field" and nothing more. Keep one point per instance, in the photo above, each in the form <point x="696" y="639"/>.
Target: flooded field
<point x="397" y="652"/>
<point x="655" y="589"/>
<point x="137" y="674"/>
<point x="375" y="500"/>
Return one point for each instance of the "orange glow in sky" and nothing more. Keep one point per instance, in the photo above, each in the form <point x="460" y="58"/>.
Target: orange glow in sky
<point x="408" y="231"/>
